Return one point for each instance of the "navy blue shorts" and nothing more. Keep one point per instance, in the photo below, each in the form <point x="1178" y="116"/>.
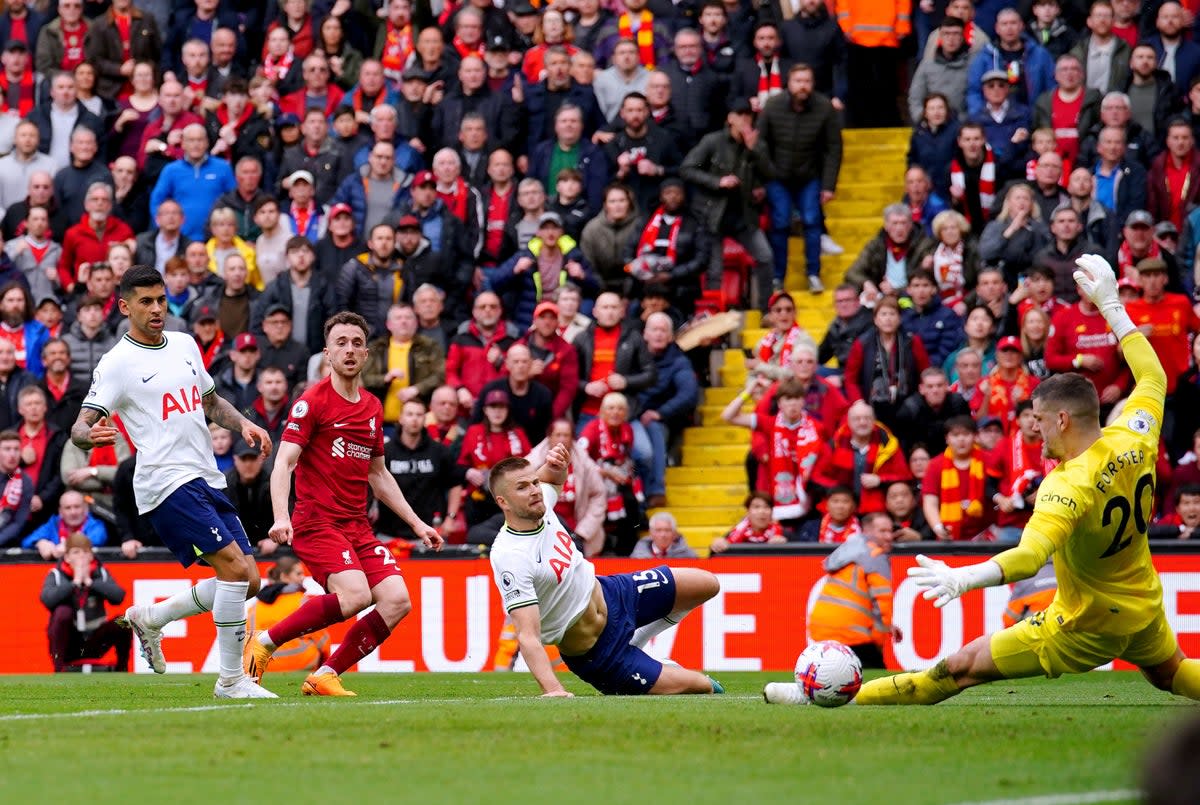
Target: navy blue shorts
<point x="612" y="666"/>
<point x="196" y="520"/>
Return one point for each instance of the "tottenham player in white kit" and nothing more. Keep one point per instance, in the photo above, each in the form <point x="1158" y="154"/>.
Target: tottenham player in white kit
<point x="599" y="623"/>
<point x="157" y="383"/>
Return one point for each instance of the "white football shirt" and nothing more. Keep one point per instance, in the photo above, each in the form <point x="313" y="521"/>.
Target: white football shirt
<point x="158" y="392"/>
<point x="543" y="567"/>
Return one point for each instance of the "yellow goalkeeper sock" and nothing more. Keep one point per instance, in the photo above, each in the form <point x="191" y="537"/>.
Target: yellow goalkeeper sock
<point x="1187" y="680"/>
<point x="924" y="687"/>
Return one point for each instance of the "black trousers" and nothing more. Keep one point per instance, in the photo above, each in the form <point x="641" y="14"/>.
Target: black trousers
<point x="874" y="78"/>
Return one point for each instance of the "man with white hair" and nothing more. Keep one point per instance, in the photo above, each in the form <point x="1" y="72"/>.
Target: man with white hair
<point x="464" y="202"/>
<point x="384" y="122"/>
<point x="666" y="405"/>
<point x="664" y="540"/>
<point x="196" y="181"/>
<point x="1116" y="111"/>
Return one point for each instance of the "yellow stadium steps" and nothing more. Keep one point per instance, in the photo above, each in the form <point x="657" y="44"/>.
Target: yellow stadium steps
<point x="709" y="456"/>
<point x="706" y="495"/>
<point x="731" y="473"/>
<point x="706" y="515"/>
<point x="716" y="435"/>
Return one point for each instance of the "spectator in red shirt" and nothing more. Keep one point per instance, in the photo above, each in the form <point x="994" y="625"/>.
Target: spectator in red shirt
<point x="1174" y="183"/>
<point x="317" y="91"/>
<point x="476" y="353"/>
<point x="1070" y="109"/>
<point x="555" y="362"/>
<point x="1081" y="341"/>
<point x="1009" y="383"/>
<point x="1021" y="470"/>
<point x="956" y="484"/>
<point x="87" y="241"/>
<point x="758" y="526"/>
<point x="1167" y="319"/>
<point x="866" y="458"/>
<point x="484" y="445"/>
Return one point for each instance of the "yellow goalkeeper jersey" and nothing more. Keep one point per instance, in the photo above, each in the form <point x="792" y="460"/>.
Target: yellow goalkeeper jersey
<point x="1093" y="512"/>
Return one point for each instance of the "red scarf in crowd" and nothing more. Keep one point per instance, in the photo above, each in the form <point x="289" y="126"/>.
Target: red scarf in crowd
<point x="794" y="451"/>
<point x="10" y="500"/>
<point x="275" y="70"/>
<point x="1126" y="261"/>
<point x="744" y="532"/>
<point x="457" y="199"/>
<point x="26" y="94"/>
<point x="210" y="352"/>
<point x="776" y="348"/>
<point x="223" y="116"/>
<point x="1023" y="471"/>
<point x="769" y="81"/>
<point x="613" y="447"/>
<point x="397" y="47"/>
<point x="651" y="233"/>
<point x="830" y="534"/>
<point x="463" y="49"/>
<point x="952" y="510"/>
<point x="644" y="38"/>
<point x="484" y="448"/>
<point x="987" y="184"/>
<point x="1003" y="395"/>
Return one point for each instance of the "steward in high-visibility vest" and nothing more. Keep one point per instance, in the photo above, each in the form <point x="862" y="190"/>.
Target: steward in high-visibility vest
<point x="855" y="603"/>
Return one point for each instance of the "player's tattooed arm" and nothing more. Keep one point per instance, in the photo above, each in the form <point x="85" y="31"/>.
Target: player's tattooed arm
<point x="220" y="410"/>
<point x="91" y="428"/>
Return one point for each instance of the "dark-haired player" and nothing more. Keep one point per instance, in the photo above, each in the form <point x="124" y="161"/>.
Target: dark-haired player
<point x="157" y="382"/>
<point x="599" y="623"/>
<point x="1092" y="514"/>
<point x="333" y="441"/>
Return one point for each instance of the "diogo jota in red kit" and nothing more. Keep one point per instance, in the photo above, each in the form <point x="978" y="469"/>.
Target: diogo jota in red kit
<point x="333" y="442"/>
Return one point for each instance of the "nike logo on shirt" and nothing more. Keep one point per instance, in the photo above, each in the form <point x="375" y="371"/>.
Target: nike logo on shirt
<point x="340" y="424"/>
<point x="151" y="377"/>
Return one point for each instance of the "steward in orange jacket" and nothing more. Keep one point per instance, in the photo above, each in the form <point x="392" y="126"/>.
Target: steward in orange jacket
<point x="874" y="23"/>
<point x="855" y="604"/>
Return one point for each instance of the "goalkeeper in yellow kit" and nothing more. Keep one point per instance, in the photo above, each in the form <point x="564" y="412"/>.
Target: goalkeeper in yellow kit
<point x="1092" y="514"/>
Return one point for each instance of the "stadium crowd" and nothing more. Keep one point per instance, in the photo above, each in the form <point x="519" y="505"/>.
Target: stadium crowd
<point x="526" y="203"/>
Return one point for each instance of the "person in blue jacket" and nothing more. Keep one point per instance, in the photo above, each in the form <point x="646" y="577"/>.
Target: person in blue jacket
<point x="196" y="182"/>
<point x="50" y="538"/>
<point x="1028" y="66"/>
<point x="923" y="314"/>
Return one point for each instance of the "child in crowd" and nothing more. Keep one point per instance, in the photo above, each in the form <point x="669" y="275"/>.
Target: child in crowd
<point x="222" y="443"/>
<point x="839" y="522"/>
<point x="755" y="528"/>
<point x="569" y="202"/>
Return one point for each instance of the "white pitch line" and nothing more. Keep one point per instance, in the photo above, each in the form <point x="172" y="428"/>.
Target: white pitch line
<point x="298" y="703"/>
<point x="1081" y="798"/>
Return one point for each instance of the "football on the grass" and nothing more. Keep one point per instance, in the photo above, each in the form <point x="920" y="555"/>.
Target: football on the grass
<point x="829" y="674"/>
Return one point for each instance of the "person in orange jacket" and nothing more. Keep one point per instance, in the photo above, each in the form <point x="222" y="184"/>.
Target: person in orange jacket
<point x="873" y="30"/>
<point x="280" y="597"/>
<point x="855" y="603"/>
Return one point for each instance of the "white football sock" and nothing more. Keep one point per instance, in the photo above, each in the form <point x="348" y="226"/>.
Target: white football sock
<point x="645" y="634"/>
<point x="264" y="637"/>
<point x="229" y="615"/>
<point x="324" y="669"/>
<point x="191" y="601"/>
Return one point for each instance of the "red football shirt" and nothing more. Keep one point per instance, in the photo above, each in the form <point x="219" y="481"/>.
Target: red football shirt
<point x="339" y="438"/>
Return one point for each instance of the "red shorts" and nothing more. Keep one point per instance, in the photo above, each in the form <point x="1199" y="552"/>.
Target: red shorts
<point x="327" y="547"/>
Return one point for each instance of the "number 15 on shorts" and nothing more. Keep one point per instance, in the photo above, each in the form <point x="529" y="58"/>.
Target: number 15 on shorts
<point x="649" y="579"/>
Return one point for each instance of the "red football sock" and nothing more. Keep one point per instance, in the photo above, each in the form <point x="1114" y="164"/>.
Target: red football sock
<point x="315" y="613"/>
<point x="363" y="638"/>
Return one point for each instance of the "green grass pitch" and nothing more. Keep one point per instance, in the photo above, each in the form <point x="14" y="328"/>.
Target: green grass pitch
<point x="457" y="738"/>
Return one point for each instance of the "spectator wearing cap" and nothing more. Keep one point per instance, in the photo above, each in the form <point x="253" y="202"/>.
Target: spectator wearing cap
<point x="1166" y="318"/>
<point x="1011" y="51"/>
<point x="238" y="382"/>
<point x="196" y="181"/>
<point x="529" y="401"/>
<point x="279" y="349"/>
<point x="1006" y="124"/>
<point x="414" y="113"/>
<point x="555" y="361"/>
<point x="486" y="443"/>
<point x="672" y="249"/>
<point x="545" y="97"/>
<point x="342" y="242"/>
<point x="944" y="70"/>
<point x="472" y="94"/>
<point x="446" y="235"/>
<point x="1008" y="384"/>
<point x="1174" y="178"/>
<point x="991" y="432"/>
<point x="889" y="259"/>
<point x="213" y="343"/>
<point x="550" y="260"/>
<point x="1167" y="237"/>
<point x="303" y="214"/>
<point x="316" y="155"/>
<point x="24" y="87"/>
<point x="307" y="295"/>
<point x="249" y="490"/>
<point x="76" y="591"/>
<point x="569" y="149"/>
<point x="372" y="282"/>
<point x="1139" y="244"/>
<point x="373" y="191"/>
